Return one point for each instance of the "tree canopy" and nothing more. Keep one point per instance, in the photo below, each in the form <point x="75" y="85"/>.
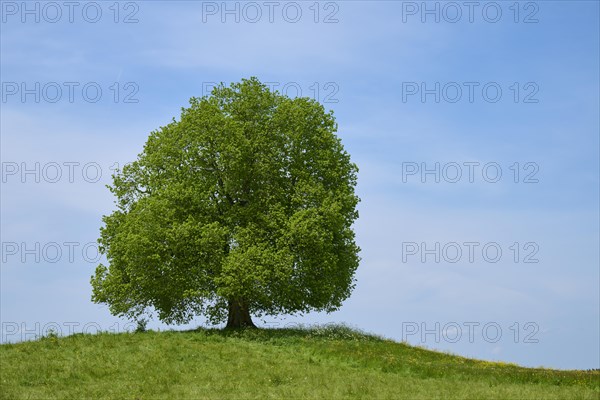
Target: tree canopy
<point x="244" y="206"/>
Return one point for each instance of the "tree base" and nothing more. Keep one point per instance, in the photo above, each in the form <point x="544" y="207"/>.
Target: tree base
<point x="239" y="316"/>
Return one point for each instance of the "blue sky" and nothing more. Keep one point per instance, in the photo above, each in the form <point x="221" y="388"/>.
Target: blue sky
<point x="365" y="63"/>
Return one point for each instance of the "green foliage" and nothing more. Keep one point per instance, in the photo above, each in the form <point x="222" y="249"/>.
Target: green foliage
<point x="332" y="362"/>
<point x="249" y="195"/>
<point x="50" y="337"/>
<point x="141" y="325"/>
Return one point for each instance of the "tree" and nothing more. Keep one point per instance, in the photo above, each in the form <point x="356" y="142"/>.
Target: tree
<point x="242" y="207"/>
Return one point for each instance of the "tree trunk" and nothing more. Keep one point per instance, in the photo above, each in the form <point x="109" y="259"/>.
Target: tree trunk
<point x="239" y="315"/>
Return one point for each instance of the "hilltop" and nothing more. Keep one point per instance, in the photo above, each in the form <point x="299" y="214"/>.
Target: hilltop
<point x="316" y="363"/>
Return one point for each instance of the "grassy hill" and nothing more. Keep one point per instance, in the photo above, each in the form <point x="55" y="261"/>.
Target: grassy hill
<point x="318" y="363"/>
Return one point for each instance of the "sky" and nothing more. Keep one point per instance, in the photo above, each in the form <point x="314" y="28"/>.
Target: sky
<point x="475" y="127"/>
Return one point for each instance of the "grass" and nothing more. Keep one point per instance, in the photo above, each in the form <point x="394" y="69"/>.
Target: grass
<point x="317" y="363"/>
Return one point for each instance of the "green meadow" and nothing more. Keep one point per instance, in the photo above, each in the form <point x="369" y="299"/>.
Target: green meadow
<point x="313" y="363"/>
